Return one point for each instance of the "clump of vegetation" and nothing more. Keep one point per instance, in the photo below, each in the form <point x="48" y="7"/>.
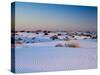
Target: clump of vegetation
<point x="33" y="38"/>
<point x="54" y="37"/>
<point x="45" y="32"/>
<point x="59" y="45"/>
<point x="69" y="44"/>
<point x="73" y="45"/>
<point x="59" y="34"/>
<point x="27" y="42"/>
<point x="66" y="39"/>
<point x="94" y="37"/>
<point x="75" y="38"/>
<point x="19" y="39"/>
<point x="49" y="31"/>
<point x="37" y="32"/>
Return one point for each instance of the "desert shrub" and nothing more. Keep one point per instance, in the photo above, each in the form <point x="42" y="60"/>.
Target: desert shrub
<point x="59" y="45"/>
<point x="46" y="33"/>
<point x="33" y="38"/>
<point x="28" y="31"/>
<point x="27" y="42"/>
<point x="66" y="39"/>
<point x="19" y="39"/>
<point x="93" y="37"/>
<point x="49" y="31"/>
<point x="75" y="38"/>
<point x="37" y="33"/>
<point x="22" y="31"/>
<point x="73" y="45"/>
<point x="54" y="37"/>
<point x="59" y="34"/>
<point x="66" y="34"/>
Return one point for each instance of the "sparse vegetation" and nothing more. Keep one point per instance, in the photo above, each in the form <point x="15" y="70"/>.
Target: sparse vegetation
<point x="59" y="34"/>
<point x="94" y="37"/>
<point x="73" y="45"/>
<point x="69" y="44"/>
<point x="37" y="32"/>
<point x="59" y="45"/>
<point x="54" y="37"/>
<point x="66" y="39"/>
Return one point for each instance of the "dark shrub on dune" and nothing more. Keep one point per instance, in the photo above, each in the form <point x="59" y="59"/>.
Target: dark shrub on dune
<point x="94" y="37"/>
<point x="33" y="38"/>
<point x="49" y="31"/>
<point x="27" y="42"/>
<point x="72" y="45"/>
<point x="28" y="31"/>
<point x="19" y="39"/>
<point x="22" y="31"/>
<point x="59" y="45"/>
<point x="59" y="34"/>
<point x="45" y="32"/>
<point x="73" y="36"/>
<point x="66" y="39"/>
<point x="54" y="37"/>
<point x="37" y="32"/>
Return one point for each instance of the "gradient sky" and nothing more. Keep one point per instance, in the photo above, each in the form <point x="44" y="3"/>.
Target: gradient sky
<point x="34" y="16"/>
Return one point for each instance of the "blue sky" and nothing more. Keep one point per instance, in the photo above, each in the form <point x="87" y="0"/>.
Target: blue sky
<point x="34" y="16"/>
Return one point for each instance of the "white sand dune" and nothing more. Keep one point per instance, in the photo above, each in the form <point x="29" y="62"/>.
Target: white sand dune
<point x="43" y="55"/>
